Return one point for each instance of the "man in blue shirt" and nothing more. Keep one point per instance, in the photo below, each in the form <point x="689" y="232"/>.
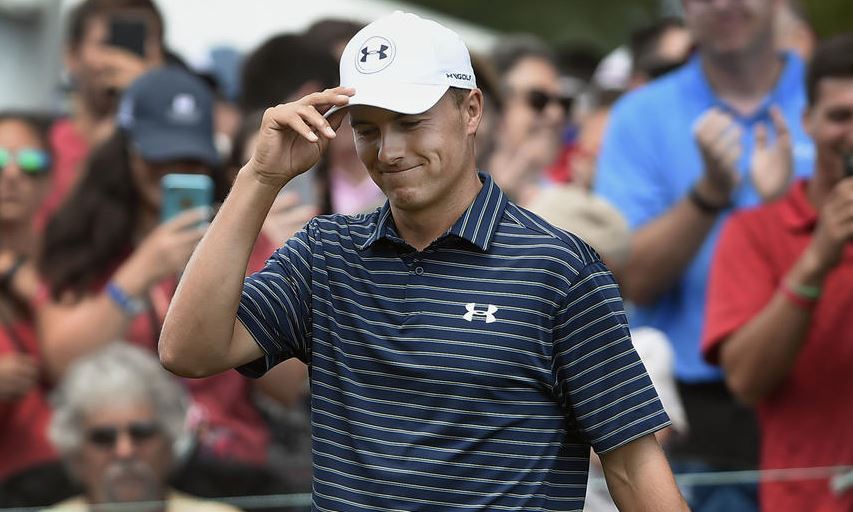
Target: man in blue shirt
<point x="464" y="354"/>
<point x="721" y="132"/>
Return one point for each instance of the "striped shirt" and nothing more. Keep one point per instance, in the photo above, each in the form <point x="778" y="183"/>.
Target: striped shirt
<point x="473" y="375"/>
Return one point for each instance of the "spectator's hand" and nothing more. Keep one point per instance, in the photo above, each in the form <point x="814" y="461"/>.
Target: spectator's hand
<point x="517" y="169"/>
<point x="294" y="135"/>
<point x="772" y="165"/>
<point x="286" y="217"/>
<point x="121" y="67"/>
<point x="165" y="252"/>
<point x="719" y="138"/>
<point x="834" y="228"/>
<point x="18" y="374"/>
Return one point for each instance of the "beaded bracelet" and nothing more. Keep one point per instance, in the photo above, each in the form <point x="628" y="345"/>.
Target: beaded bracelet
<point x="803" y="296"/>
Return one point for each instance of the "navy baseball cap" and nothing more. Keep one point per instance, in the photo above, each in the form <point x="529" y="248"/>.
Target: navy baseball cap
<point x="168" y="114"/>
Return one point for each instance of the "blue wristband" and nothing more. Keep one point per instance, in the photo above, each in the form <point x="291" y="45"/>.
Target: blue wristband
<point x="131" y="306"/>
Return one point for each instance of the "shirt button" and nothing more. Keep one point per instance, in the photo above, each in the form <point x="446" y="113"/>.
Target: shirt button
<point x="419" y="270"/>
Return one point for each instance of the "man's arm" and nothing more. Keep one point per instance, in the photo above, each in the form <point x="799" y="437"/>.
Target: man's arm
<point x="662" y="249"/>
<point x="639" y="478"/>
<point x="655" y="263"/>
<point x="758" y="357"/>
<point x="200" y="334"/>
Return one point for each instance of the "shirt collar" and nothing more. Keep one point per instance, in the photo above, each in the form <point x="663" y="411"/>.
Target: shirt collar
<point x="797" y="212"/>
<point x="477" y="225"/>
<point x="786" y="86"/>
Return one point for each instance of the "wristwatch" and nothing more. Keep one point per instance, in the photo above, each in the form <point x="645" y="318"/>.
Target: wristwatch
<point x="131" y="306"/>
<point x="704" y="205"/>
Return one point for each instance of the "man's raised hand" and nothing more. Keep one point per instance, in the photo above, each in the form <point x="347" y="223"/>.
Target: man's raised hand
<point x="294" y="135"/>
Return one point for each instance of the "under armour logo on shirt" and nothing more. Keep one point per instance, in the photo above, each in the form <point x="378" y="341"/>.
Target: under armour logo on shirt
<point x="381" y="52"/>
<point x="480" y="312"/>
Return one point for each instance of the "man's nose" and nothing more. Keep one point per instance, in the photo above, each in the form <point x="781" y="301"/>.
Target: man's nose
<point x="555" y="112"/>
<point x="391" y="147"/>
<point x="125" y="447"/>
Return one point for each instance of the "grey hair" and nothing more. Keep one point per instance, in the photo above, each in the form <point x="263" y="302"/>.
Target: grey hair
<point x="119" y="373"/>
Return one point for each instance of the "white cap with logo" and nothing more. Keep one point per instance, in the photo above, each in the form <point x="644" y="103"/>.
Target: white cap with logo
<point x="405" y="63"/>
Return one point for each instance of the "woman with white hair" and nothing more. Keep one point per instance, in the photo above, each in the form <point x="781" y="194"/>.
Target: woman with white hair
<point x="119" y="424"/>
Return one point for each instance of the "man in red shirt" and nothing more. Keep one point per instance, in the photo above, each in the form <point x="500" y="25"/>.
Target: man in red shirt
<point x="779" y="303"/>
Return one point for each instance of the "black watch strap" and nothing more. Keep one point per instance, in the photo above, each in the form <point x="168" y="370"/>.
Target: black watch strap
<point x="705" y="206"/>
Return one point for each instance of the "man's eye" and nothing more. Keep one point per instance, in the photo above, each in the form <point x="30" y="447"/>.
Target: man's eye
<point x="412" y="123"/>
<point x="839" y="115"/>
<point x="365" y="132"/>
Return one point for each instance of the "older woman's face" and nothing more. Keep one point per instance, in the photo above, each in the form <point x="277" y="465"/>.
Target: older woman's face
<point x="125" y="455"/>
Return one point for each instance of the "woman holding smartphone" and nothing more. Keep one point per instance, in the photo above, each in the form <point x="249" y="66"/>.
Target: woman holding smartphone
<point x="111" y="262"/>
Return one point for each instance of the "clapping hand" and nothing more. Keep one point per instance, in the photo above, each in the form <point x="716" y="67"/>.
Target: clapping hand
<point x="772" y="165"/>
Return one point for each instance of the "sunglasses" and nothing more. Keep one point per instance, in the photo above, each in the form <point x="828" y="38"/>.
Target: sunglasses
<point x="33" y="162"/>
<point x="107" y="436"/>
<point x="538" y="100"/>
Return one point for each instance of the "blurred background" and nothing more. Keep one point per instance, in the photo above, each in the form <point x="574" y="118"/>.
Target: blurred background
<point x="117" y="117"/>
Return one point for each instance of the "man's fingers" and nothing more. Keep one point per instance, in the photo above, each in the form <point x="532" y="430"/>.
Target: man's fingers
<point x="726" y="140"/>
<point x="297" y="124"/>
<point x="779" y="123"/>
<point x="317" y="121"/>
<point x="324" y="100"/>
<point x="732" y="154"/>
<point x="760" y="136"/>
<point x="714" y="125"/>
<point x="190" y="217"/>
<point x="191" y="237"/>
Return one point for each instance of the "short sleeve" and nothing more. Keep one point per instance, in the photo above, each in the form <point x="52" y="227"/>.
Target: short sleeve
<point x="626" y="173"/>
<point x="740" y="285"/>
<point x="600" y="380"/>
<point x="275" y="306"/>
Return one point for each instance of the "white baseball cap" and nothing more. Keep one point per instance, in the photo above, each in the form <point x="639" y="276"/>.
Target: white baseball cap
<point x="404" y="63"/>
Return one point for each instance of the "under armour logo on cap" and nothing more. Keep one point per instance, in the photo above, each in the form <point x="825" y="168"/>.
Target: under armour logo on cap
<point x="381" y="52"/>
<point x="375" y="54"/>
<point x="478" y="313"/>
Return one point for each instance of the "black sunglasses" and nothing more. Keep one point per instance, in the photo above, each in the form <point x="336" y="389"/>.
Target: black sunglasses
<point x="107" y="436"/>
<point x="538" y="100"/>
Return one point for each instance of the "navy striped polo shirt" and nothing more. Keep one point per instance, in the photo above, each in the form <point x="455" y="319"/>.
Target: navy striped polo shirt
<point x="474" y="375"/>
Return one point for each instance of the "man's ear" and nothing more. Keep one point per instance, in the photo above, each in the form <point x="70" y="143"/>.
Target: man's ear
<point x="473" y="111"/>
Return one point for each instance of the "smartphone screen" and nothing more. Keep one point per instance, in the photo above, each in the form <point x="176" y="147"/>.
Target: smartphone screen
<point x="848" y="164"/>
<point x="128" y="34"/>
<point x="184" y="192"/>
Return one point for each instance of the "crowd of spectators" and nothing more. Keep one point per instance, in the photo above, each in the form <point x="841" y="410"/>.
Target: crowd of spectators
<point x="708" y="160"/>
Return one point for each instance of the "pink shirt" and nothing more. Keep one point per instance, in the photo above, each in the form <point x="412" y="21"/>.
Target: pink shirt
<point x="350" y="198"/>
<point x="70" y="149"/>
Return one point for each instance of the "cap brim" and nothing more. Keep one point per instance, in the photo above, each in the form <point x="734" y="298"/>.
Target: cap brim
<point x="165" y="146"/>
<point x="400" y="98"/>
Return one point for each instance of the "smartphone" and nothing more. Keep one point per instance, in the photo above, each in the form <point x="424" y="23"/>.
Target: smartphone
<point x="128" y="34"/>
<point x="848" y="164"/>
<point x="183" y="192"/>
